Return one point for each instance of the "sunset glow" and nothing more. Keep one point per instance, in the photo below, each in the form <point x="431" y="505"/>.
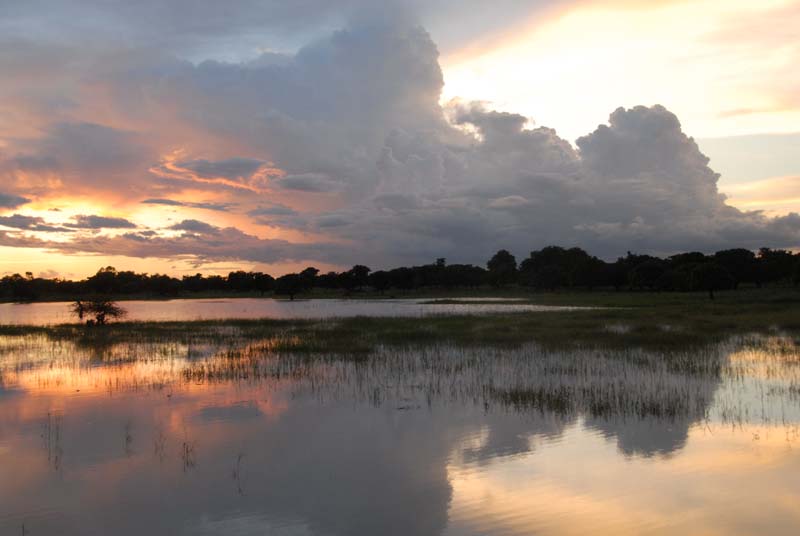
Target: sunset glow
<point x="277" y="146"/>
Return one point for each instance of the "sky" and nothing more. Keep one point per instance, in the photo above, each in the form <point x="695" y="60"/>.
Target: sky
<point x="201" y="136"/>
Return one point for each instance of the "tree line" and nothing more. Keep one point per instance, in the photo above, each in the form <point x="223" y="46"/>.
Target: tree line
<point x="548" y="269"/>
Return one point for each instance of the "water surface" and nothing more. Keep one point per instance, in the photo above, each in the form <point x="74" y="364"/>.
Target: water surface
<point x="47" y="313"/>
<point x="219" y="436"/>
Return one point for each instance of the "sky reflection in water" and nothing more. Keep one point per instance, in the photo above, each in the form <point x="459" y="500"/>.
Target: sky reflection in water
<point x="45" y="313"/>
<point x="131" y="439"/>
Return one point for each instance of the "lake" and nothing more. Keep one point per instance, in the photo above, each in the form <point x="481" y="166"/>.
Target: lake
<point x="212" y="433"/>
<point x="219" y="309"/>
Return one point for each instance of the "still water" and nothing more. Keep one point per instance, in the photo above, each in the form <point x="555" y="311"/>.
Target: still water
<point x="219" y="309"/>
<point x="225" y="436"/>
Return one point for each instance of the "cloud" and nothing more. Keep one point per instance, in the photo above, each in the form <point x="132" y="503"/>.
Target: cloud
<point x="204" y="27"/>
<point x="195" y="226"/>
<point x="241" y="169"/>
<point x="78" y="156"/>
<point x="356" y="115"/>
<point x="12" y="201"/>
<point x="30" y="223"/>
<point x="219" y="207"/>
<point x="509" y="202"/>
<point x="309" y="182"/>
<point x="637" y="183"/>
<point x="202" y="247"/>
<point x="272" y="210"/>
<point x="237" y="173"/>
<point x="100" y="222"/>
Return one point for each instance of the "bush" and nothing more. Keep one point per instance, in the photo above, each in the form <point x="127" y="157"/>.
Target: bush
<point x="101" y="310"/>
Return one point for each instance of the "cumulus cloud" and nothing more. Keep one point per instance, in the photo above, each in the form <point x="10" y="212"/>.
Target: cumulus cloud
<point x="356" y="116"/>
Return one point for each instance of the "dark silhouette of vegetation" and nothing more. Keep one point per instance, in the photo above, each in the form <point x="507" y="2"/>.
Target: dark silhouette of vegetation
<point x="502" y="268"/>
<point x="97" y="312"/>
<point x="289" y="285"/>
<point x="549" y="269"/>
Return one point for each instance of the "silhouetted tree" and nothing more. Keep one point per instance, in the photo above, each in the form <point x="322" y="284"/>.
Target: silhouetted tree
<point x="711" y="277"/>
<point x="104" y="281"/>
<point x="101" y="310"/>
<point x="550" y="268"/>
<point x="289" y="284"/>
<point x="647" y="274"/>
<point x="691" y="258"/>
<point x="356" y="277"/>
<point x="775" y="265"/>
<point x="164" y="285"/>
<point x="796" y="275"/>
<point x="740" y="263"/>
<point x="308" y="277"/>
<point x="502" y="268"/>
<point x="329" y="280"/>
<point x="402" y="278"/>
<point x="263" y="282"/>
<point x="241" y="281"/>
<point x="380" y="281"/>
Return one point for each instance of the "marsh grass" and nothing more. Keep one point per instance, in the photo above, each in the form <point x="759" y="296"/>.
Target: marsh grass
<point x="663" y="362"/>
<point x="657" y="321"/>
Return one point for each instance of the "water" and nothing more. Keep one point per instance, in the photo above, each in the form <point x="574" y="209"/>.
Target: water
<point x="216" y="435"/>
<point x="187" y="310"/>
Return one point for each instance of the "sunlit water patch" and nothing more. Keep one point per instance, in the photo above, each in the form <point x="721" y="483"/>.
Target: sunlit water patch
<point x="228" y="436"/>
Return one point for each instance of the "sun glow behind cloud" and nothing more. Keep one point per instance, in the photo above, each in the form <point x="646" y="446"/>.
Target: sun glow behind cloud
<point x="342" y="151"/>
<point x="710" y="61"/>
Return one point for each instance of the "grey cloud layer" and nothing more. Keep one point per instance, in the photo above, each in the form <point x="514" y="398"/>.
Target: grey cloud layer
<point x="208" y="26"/>
<point x="355" y="119"/>
<point x="210" y="205"/>
<point x="101" y="222"/>
<point x="12" y="201"/>
<point x="208" y="245"/>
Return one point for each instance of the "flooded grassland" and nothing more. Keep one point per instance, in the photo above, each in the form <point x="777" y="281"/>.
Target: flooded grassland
<point x="546" y="423"/>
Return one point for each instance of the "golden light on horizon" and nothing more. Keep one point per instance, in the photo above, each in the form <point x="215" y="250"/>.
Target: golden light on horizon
<point x="574" y="70"/>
